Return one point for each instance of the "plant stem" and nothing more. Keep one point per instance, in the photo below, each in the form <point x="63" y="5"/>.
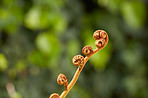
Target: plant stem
<point x="77" y="73"/>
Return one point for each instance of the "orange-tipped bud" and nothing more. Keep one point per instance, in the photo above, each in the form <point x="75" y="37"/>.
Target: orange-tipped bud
<point x="96" y="34"/>
<point x="54" y="95"/>
<point x="78" y="60"/>
<point x="61" y="79"/>
<point x="100" y="43"/>
<point x="99" y="34"/>
<point x="87" y="50"/>
<point x="103" y="34"/>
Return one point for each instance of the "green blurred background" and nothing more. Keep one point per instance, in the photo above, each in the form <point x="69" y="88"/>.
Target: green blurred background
<point x="38" y="39"/>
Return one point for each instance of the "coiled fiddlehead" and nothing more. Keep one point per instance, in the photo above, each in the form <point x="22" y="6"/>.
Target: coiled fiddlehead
<point x="87" y="50"/>
<point x="78" y="60"/>
<point x="54" y="95"/>
<point x="62" y="80"/>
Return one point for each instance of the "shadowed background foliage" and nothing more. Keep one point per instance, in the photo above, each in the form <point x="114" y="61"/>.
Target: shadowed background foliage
<point x="38" y="39"/>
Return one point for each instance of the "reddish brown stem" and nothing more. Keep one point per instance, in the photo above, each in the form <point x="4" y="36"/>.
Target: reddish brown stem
<point x="78" y="71"/>
<point x="101" y="41"/>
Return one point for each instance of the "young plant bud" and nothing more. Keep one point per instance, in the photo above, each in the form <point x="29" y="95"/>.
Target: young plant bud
<point x="61" y="79"/>
<point x="100" y="43"/>
<point x="87" y="50"/>
<point x="96" y="34"/>
<point x="78" y="60"/>
<point x="54" y="95"/>
<point x="103" y="34"/>
<point x="99" y="34"/>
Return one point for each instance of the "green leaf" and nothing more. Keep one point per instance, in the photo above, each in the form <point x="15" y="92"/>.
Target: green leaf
<point x="134" y="13"/>
<point x="49" y="46"/>
<point x="32" y="19"/>
<point x="111" y="5"/>
<point x="60" y="25"/>
<point x="103" y="2"/>
<point x="47" y="43"/>
<point x="3" y="62"/>
<point x="10" y="19"/>
<point x="20" y="66"/>
<point x="41" y="18"/>
<point x="43" y="43"/>
<point x="16" y="95"/>
<point x="37" y="58"/>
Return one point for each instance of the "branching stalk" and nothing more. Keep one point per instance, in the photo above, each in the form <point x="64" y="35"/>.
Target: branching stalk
<point x="76" y="75"/>
<point x="101" y="38"/>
